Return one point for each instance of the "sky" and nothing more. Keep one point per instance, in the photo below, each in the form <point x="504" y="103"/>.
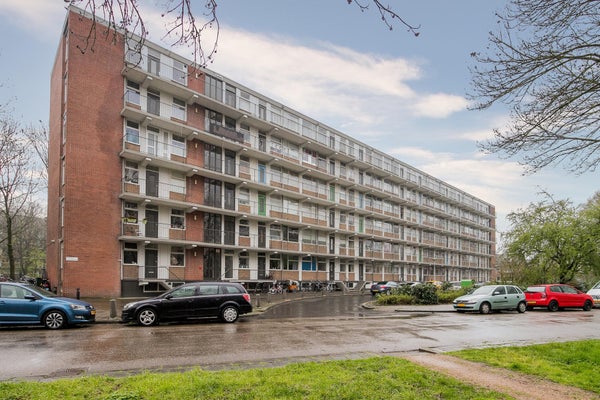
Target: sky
<point x="398" y="93"/>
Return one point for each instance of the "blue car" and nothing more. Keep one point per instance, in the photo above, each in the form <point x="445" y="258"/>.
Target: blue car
<point x="22" y="304"/>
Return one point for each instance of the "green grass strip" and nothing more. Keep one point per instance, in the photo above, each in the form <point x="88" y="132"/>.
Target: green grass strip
<point x="372" y="378"/>
<point x="570" y="363"/>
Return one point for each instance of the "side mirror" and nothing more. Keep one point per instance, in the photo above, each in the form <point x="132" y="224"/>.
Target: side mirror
<point x="30" y="297"/>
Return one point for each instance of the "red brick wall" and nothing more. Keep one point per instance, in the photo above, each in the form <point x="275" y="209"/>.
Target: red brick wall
<point x="93" y="166"/>
<point x="53" y="233"/>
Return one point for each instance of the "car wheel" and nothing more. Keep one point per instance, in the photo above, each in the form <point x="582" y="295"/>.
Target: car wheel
<point x="522" y="307"/>
<point x="55" y="320"/>
<point x="147" y="317"/>
<point x="229" y="314"/>
<point x="587" y="306"/>
<point x="485" y="308"/>
<point x="553" y="306"/>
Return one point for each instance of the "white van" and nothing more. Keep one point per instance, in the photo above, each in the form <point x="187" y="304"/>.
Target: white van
<point x="595" y="293"/>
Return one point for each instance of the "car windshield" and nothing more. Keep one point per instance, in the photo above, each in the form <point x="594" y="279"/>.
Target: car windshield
<point x="538" y="289"/>
<point x="484" y="290"/>
<point x="596" y="286"/>
<point x="40" y="291"/>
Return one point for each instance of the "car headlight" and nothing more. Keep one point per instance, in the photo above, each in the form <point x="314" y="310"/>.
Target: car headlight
<point x="77" y="307"/>
<point x="128" y="306"/>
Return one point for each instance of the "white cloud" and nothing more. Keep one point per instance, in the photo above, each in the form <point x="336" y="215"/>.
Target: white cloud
<point x="439" y="105"/>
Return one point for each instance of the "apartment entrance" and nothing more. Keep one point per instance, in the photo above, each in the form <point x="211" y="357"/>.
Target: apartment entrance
<point x="151" y="263"/>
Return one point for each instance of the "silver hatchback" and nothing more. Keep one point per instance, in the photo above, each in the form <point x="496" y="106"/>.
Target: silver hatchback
<point x="486" y="299"/>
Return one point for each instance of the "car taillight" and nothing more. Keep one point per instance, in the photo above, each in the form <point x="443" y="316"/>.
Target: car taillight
<point x="246" y="297"/>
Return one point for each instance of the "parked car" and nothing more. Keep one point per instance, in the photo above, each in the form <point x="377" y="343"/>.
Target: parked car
<point x="488" y="298"/>
<point x="595" y="293"/>
<point x="557" y="296"/>
<point x="225" y="300"/>
<point x="384" y="287"/>
<point x="26" y="304"/>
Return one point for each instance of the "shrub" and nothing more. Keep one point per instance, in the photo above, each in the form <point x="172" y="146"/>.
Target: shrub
<point x="394" y="299"/>
<point x="425" y="294"/>
<point x="449" y="296"/>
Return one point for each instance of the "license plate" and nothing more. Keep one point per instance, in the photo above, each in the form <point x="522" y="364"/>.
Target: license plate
<point x="93" y="312"/>
<point x="460" y="305"/>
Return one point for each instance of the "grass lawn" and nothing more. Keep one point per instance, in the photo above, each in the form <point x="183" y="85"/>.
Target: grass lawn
<point x="570" y="363"/>
<point x="372" y="378"/>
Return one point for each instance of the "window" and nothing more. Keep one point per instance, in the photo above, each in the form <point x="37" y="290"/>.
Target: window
<point x="275" y="232"/>
<point x="212" y="157"/>
<point x="275" y="261"/>
<point x="131" y="172"/>
<point x="212" y="192"/>
<point x="229" y="229"/>
<point x="230" y="96"/>
<point x="178" y="145"/>
<point x="177" y="256"/>
<point x="153" y="62"/>
<point x="130" y="253"/>
<point x="177" y="219"/>
<point x="179" y="72"/>
<point x="179" y="109"/>
<point x="153" y="102"/>
<point x="243" y="260"/>
<point x="244" y="228"/>
<point x="230" y="162"/>
<point x="212" y="228"/>
<point x="213" y="88"/>
<point x="290" y="234"/>
<point x="244" y="197"/>
<point x="245" y="165"/>
<point x="177" y="182"/>
<point x="132" y="93"/>
<point x="130" y="212"/>
<point x="132" y="132"/>
<point x="229" y="203"/>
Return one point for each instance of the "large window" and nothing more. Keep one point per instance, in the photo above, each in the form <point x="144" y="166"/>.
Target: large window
<point x="131" y="172"/>
<point x="178" y="145"/>
<point x="132" y="93"/>
<point x="178" y="109"/>
<point x="212" y="157"/>
<point x="230" y="95"/>
<point x="177" y="256"/>
<point x="177" y="219"/>
<point x="213" y="88"/>
<point x="153" y="102"/>
<point x="229" y="203"/>
<point x="212" y="192"/>
<point x="212" y="228"/>
<point x="230" y="162"/>
<point x="244" y="228"/>
<point x="179" y="72"/>
<point x="132" y="132"/>
<point x="130" y="253"/>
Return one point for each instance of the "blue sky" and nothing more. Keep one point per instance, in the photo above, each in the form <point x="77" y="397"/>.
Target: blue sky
<point x="326" y="59"/>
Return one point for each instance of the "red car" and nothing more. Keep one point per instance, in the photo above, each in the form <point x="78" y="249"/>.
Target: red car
<point x="557" y="296"/>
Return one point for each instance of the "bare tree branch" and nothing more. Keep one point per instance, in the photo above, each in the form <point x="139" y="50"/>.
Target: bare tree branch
<point x="544" y="62"/>
<point x="387" y="14"/>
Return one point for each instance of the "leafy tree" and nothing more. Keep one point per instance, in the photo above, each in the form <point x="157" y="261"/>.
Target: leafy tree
<point x="544" y="62"/>
<point x="550" y="241"/>
<point x="185" y="27"/>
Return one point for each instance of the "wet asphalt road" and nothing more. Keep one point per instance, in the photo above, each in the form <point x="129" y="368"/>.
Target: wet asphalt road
<point x="312" y="329"/>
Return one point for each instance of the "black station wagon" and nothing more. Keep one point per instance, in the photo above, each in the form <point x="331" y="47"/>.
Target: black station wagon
<point x="225" y="300"/>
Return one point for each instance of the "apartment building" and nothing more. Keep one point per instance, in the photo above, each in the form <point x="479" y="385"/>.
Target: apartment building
<point x="162" y="172"/>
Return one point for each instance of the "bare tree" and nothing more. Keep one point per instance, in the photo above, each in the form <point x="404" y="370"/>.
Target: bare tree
<point x="183" y="25"/>
<point x="544" y="62"/>
<point x="18" y="184"/>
